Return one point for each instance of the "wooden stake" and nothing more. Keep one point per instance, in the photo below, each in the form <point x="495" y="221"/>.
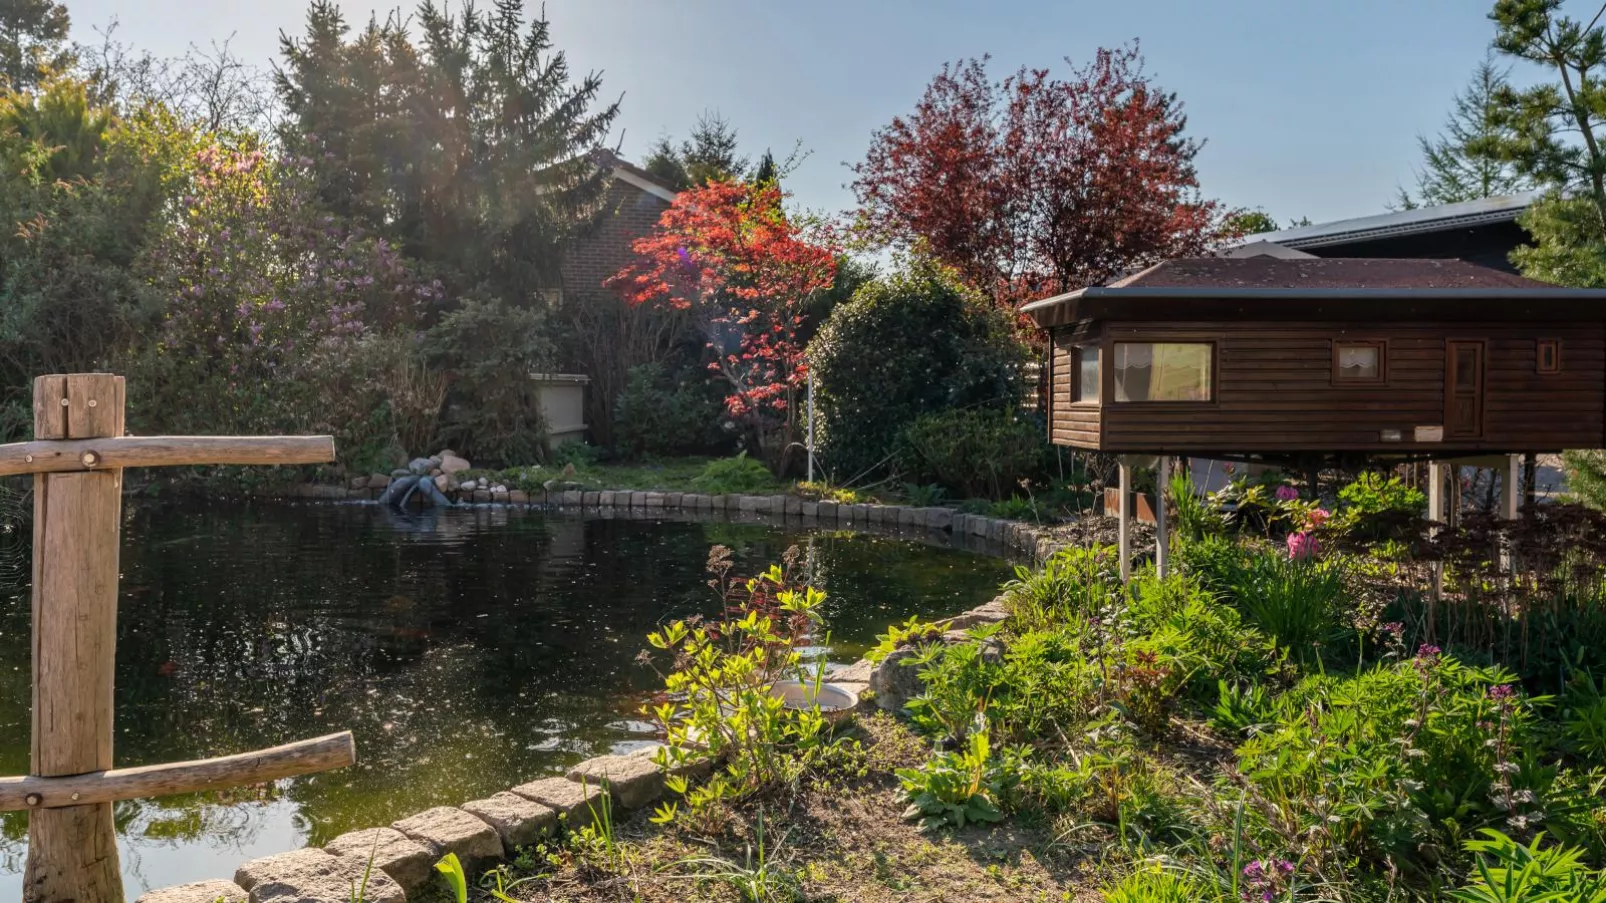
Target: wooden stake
<point x="72" y="851"/>
<point x="288" y="760"/>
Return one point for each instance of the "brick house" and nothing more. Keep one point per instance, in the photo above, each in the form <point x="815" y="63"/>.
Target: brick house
<point x="606" y="334"/>
<point x="635" y="200"/>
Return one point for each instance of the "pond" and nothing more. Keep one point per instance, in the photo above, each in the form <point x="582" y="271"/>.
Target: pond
<point x="468" y="651"/>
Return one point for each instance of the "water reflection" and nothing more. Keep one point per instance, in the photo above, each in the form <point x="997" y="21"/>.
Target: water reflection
<point x="467" y="650"/>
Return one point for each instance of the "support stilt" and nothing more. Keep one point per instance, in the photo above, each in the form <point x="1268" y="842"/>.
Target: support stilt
<point x="1436" y="515"/>
<point x="1162" y="537"/>
<point x="1125" y="521"/>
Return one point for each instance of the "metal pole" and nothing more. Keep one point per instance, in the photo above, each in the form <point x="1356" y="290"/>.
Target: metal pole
<point x="811" y="424"/>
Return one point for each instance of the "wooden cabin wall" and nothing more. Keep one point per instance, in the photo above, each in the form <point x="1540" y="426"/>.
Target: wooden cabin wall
<point x="1076" y="425"/>
<point x="1274" y="390"/>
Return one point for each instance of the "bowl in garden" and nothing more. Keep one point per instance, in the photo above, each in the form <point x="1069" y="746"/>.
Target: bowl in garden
<point x="834" y="701"/>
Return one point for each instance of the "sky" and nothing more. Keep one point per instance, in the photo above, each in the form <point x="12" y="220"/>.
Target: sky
<point x="1309" y="108"/>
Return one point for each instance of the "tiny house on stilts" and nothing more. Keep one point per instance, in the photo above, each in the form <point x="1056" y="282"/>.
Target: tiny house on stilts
<point x="1300" y="361"/>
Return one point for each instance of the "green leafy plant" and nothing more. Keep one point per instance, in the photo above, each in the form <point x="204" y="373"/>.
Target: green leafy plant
<point x="924" y="495"/>
<point x="1294" y="600"/>
<point x="718" y="703"/>
<point x="1071" y="585"/>
<point x="1154" y="884"/>
<point x="1241" y="709"/>
<point x="957" y="788"/>
<point x="451" y="870"/>
<point x="1512" y="872"/>
<point x="1584" y="718"/>
<point x="734" y="476"/>
<point x="976" y="453"/>
<point x="596" y="846"/>
<point x="911" y="633"/>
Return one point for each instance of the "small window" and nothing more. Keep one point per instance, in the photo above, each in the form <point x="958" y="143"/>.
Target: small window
<point x="1163" y="371"/>
<point x="1550" y="355"/>
<point x="1087" y="374"/>
<point x="1358" y="362"/>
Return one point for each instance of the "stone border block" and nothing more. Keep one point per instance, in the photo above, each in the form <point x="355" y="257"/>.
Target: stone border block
<point x="633" y="781"/>
<point x="445" y="829"/>
<point x="518" y="821"/>
<point x="571" y="801"/>
<point x="215" y="890"/>
<point x="408" y="862"/>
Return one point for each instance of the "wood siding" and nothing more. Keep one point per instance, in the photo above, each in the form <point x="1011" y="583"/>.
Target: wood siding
<point x="1071" y="424"/>
<point x="1274" y="391"/>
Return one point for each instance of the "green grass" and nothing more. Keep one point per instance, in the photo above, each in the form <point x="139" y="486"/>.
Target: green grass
<point x="661" y="475"/>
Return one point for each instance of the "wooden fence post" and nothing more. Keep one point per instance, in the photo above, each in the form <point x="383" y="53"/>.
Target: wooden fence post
<point x="72" y="851"/>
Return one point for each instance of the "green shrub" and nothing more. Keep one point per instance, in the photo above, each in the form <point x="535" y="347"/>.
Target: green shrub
<point x="1071" y="585"/>
<point x="910" y="344"/>
<point x="1512" y="872"/>
<point x="976" y="453"/>
<point x="1377" y="507"/>
<point x="960" y="787"/>
<point x="734" y="476"/>
<point x="662" y="412"/>
<point x="1296" y="601"/>
<point x="492" y="350"/>
<point x="1399" y="761"/>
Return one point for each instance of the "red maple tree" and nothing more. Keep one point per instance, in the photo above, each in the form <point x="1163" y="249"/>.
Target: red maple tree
<point x="728" y="253"/>
<point x="1034" y="185"/>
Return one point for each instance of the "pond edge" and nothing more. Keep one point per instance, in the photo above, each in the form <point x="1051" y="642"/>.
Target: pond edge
<point x="482" y="832"/>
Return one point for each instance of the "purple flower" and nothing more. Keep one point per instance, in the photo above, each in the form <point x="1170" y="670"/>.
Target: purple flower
<point x="1428" y="652"/>
<point x="1502" y="692"/>
<point x="1394" y="628"/>
<point x="1287" y="493"/>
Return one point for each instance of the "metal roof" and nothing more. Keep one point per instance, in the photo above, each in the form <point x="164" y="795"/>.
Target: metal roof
<point x="1442" y="218"/>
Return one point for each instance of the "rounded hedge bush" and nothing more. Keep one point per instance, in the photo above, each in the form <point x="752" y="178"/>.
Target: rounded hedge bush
<point x="909" y="344"/>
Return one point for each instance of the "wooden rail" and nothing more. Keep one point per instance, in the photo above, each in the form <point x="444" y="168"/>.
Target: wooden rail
<point x="79" y="455"/>
<point x="289" y="760"/>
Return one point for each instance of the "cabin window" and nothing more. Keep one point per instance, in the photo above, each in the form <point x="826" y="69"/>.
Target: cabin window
<point x="1163" y="371"/>
<point x="1550" y="355"/>
<point x="1358" y="362"/>
<point x="1087" y="374"/>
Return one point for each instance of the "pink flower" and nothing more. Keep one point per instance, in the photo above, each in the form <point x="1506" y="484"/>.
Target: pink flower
<point x="1302" y="546"/>
<point x="1317" y="517"/>
<point x="1287" y="493"/>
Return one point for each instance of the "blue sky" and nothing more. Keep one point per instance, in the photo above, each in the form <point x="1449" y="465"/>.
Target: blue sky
<point x="1309" y="107"/>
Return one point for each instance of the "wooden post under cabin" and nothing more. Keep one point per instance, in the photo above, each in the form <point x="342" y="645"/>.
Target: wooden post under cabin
<point x="1162" y="536"/>
<point x="1125" y="521"/>
<point x="1436" y="513"/>
<point x="72" y="851"/>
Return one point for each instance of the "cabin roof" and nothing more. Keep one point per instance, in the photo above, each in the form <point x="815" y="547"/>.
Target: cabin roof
<point x="1422" y="220"/>
<point x="1267" y="272"/>
<point x="1332" y="288"/>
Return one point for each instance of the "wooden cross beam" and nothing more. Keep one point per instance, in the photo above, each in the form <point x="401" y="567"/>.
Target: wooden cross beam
<point x="77" y="459"/>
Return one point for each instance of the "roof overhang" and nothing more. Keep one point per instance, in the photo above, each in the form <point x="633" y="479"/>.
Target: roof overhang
<point x="1182" y="304"/>
<point x="1419" y="221"/>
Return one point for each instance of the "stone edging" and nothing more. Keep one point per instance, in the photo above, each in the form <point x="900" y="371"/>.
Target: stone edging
<point x="1017" y="536"/>
<point x="483" y="832"/>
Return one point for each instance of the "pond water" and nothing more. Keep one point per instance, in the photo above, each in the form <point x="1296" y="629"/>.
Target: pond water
<point x="468" y="651"/>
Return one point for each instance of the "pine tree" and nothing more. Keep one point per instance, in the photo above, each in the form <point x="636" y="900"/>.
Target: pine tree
<point x="709" y="154"/>
<point x="470" y="148"/>
<point x="1551" y="131"/>
<point x="1465" y="161"/>
<point x="33" y="42"/>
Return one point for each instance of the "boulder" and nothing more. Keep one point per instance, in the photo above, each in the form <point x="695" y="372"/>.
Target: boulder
<point x="634" y="781"/>
<point x="445" y="483"/>
<point x="408" y="862"/>
<point x="518" y="496"/>
<point x="519" y="822"/>
<point x="421" y="466"/>
<point x="378" y="481"/>
<point x="313" y="876"/>
<point x="453" y="464"/>
<point x="214" y="891"/>
<point x="444" y="829"/>
<point x="575" y="803"/>
<point x="894" y="682"/>
<point x="469" y="485"/>
<point x="358" y="483"/>
<point x="859" y="672"/>
<point x="989" y="613"/>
